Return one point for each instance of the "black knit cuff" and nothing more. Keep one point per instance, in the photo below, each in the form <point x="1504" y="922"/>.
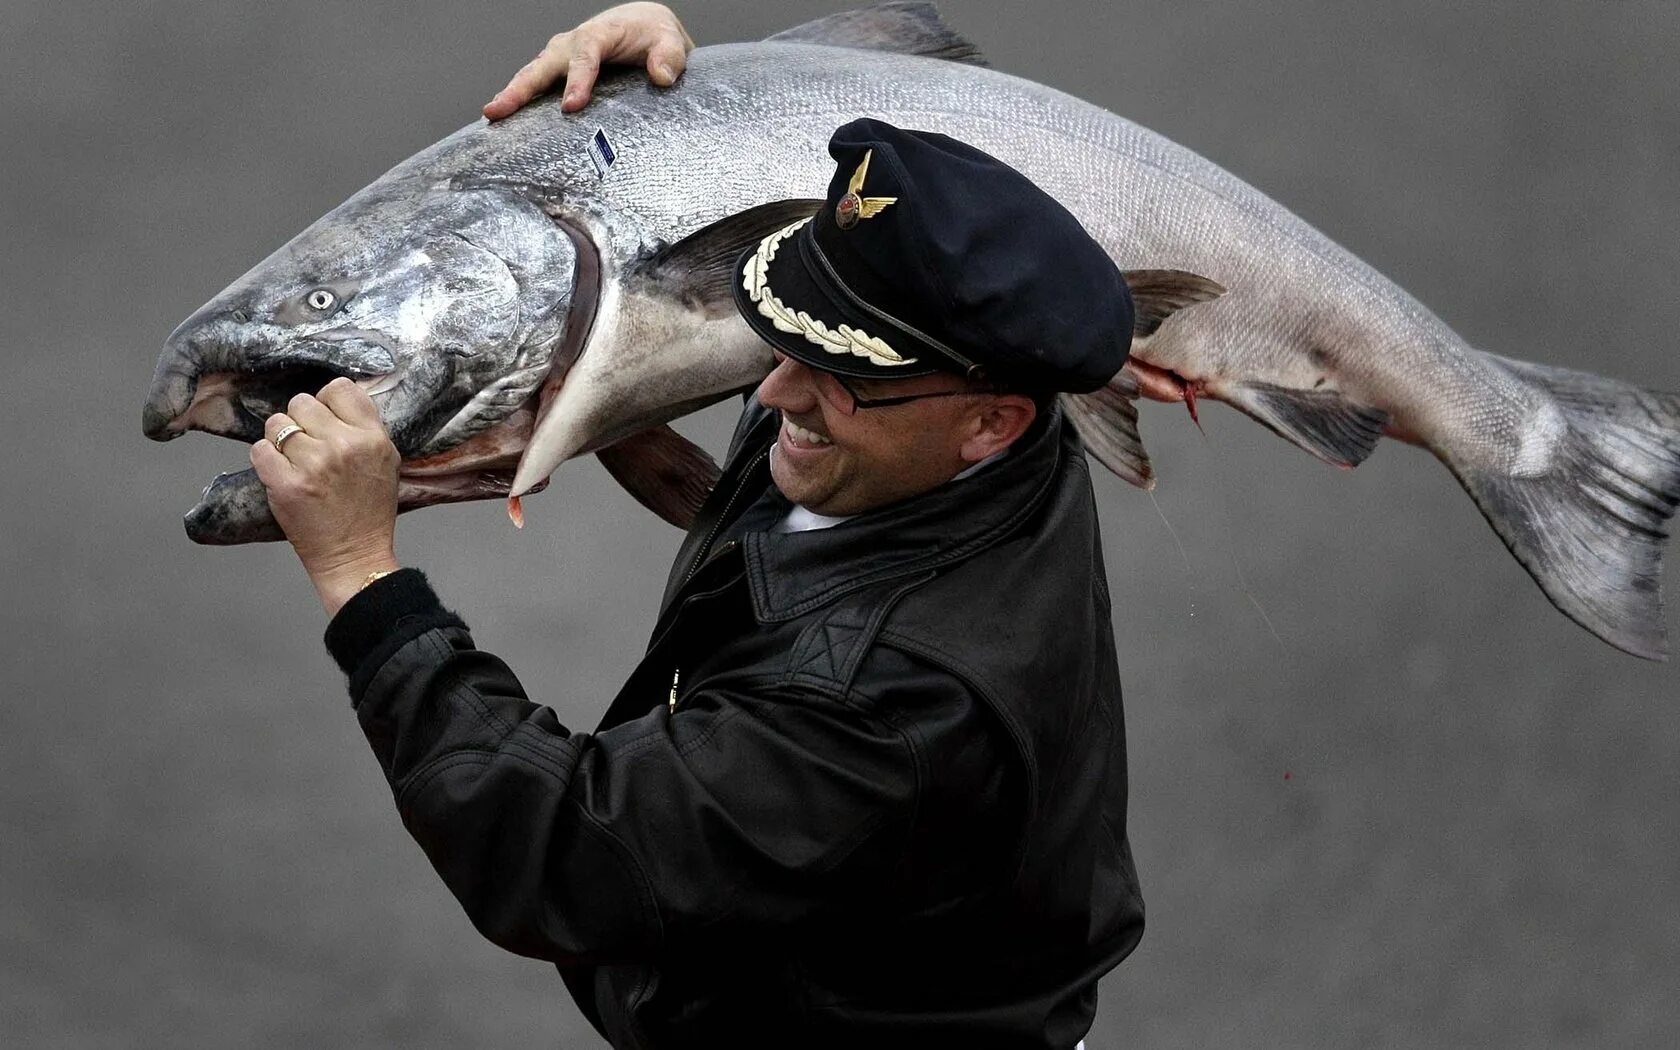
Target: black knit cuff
<point x="381" y="618"/>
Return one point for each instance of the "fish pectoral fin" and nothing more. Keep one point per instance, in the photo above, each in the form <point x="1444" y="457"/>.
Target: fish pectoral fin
<point x="902" y="28"/>
<point x="667" y="473"/>
<point x="1158" y="294"/>
<point x="700" y="269"/>
<point x="1324" y="422"/>
<point x="1107" y="420"/>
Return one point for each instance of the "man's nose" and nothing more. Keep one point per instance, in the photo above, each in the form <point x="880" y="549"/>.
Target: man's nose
<point x="789" y="387"/>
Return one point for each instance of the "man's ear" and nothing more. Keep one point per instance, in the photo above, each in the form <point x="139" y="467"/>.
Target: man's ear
<point x="1001" y="422"/>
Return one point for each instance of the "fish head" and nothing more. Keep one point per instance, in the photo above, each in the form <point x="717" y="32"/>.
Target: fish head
<point x="449" y="305"/>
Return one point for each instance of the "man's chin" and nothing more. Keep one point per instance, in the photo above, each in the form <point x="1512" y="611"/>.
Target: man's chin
<point x="794" y="486"/>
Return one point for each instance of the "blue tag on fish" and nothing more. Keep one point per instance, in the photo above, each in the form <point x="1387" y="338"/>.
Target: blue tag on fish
<point x="601" y="152"/>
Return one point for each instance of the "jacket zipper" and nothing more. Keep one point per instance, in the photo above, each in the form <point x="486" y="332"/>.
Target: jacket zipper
<point x="705" y="549"/>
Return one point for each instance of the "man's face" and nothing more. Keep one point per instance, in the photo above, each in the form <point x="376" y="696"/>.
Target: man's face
<point x="835" y="461"/>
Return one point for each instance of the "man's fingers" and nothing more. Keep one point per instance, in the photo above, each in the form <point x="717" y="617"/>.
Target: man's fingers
<point x="592" y="43"/>
<point x="580" y="81"/>
<point x="670" y="52"/>
<point x="647" y="33"/>
<point x="351" y="403"/>
<point x="272" y="467"/>
<point x="279" y="421"/>
<point x="668" y="58"/>
<point x="505" y="104"/>
<point x="297" y="447"/>
<point x="316" y="419"/>
<point x="533" y="78"/>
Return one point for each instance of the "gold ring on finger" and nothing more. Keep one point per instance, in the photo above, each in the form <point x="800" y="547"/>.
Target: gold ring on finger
<point x="285" y="435"/>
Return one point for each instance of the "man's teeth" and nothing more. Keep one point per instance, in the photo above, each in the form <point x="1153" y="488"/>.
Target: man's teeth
<point x="803" y="436"/>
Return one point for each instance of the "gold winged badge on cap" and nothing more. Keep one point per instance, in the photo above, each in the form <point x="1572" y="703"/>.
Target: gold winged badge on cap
<point x="854" y="206"/>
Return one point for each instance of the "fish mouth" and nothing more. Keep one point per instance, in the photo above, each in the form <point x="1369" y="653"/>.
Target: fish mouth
<point x="233" y="507"/>
<point x="237" y="404"/>
<point x="225" y="380"/>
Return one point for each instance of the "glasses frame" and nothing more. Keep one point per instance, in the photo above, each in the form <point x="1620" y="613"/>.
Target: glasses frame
<point x="859" y="401"/>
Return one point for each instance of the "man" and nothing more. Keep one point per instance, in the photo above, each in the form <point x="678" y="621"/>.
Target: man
<point x="867" y="786"/>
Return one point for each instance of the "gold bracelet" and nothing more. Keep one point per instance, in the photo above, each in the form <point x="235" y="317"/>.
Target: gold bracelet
<point x="379" y="575"/>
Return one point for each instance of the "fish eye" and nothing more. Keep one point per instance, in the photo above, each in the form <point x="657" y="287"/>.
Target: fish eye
<point x="321" y="299"/>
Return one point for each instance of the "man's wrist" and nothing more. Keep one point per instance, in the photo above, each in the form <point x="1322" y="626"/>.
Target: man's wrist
<point x="380" y="619"/>
<point x="338" y="582"/>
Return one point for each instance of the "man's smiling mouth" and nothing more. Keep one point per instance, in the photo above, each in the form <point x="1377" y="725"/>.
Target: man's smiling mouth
<point x="800" y="437"/>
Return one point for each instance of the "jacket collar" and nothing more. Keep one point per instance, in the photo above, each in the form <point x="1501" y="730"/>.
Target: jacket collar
<point x="789" y="574"/>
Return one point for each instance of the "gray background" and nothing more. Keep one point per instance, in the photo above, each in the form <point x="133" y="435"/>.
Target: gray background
<point x="1384" y="795"/>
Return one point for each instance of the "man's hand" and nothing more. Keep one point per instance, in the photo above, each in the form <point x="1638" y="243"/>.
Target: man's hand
<point x="627" y="33"/>
<point x="333" y="487"/>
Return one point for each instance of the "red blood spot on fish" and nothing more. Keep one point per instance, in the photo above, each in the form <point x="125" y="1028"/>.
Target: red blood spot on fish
<point x="1163" y="384"/>
<point x="1286" y="774"/>
<point x="516" y="513"/>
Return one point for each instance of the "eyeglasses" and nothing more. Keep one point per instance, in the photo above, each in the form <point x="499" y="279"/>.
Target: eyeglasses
<point x="842" y="396"/>
<point x="859" y="401"/>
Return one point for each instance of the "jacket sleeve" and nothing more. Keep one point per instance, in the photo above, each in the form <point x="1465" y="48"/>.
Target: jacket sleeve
<point x="759" y="806"/>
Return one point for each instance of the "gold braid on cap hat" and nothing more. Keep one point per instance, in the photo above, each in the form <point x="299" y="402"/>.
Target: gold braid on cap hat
<point x="842" y="340"/>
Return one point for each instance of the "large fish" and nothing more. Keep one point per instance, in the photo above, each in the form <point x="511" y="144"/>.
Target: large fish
<point x="555" y="284"/>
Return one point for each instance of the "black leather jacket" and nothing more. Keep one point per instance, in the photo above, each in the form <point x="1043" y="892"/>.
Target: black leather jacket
<point x="867" y="787"/>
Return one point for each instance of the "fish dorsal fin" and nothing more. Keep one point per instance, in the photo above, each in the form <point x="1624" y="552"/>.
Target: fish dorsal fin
<point x="667" y="473"/>
<point x="700" y="269"/>
<point x="1158" y="294"/>
<point x="903" y="27"/>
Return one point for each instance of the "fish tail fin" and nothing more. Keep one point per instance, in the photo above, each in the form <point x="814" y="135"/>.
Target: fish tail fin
<point x="1591" y="527"/>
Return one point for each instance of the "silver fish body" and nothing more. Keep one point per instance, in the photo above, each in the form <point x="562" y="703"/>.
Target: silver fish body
<point x="1302" y="313"/>
<point x="1578" y="474"/>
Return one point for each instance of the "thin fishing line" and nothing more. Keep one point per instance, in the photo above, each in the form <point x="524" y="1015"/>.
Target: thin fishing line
<point x="1188" y="571"/>
<point x="1243" y="581"/>
<point x="1231" y="549"/>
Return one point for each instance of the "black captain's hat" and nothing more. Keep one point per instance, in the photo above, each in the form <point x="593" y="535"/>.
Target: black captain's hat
<point x="930" y="255"/>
